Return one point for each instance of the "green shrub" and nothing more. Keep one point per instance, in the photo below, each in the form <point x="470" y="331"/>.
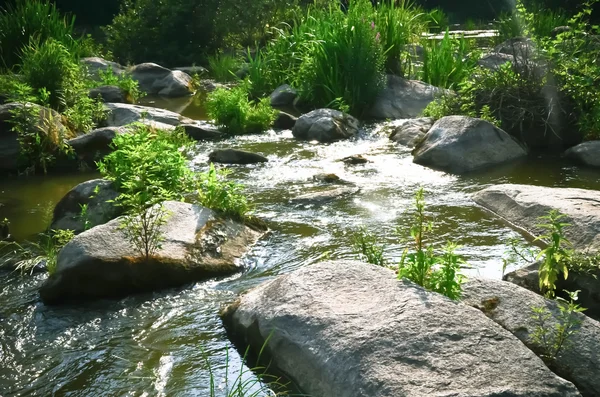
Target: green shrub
<point x="148" y="167"/>
<point x="556" y="252"/>
<point x="215" y="192"/>
<point x="439" y="273"/>
<point x="448" y="62"/>
<point x="27" y="19"/>
<point x="124" y="81"/>
<point x="223" y="67"/>
<point x="234" y="113"/>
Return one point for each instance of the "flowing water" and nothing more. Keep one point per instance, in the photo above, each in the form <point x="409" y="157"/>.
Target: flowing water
<point x="158" y="344"/>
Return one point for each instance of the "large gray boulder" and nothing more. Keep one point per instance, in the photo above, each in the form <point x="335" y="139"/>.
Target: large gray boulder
<point x="460" y="144"/>
<point x="102" y="262"/>
<point x="326" y="125"/>
<point x="587" y="153"/>
<point x="46" y="121"/>
<point x="522" y="205"/>
<point x="109" y="93"/>
<point x="157" y="80"/>
<point x="96" y="195"/>
<point x="96" y="144"/>
<point x="95" y="65"/>
<point x="511" y="307"/>
<point x="121" y="114"/>
<point x="403" y="99"/>
<point x="348" y="329"/>
<point x="407" y="132"/>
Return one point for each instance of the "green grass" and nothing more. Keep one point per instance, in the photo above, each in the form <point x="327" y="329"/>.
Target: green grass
<point x="27" y="19"/>
<point x="124" y="81"/>
<point x="235" y="114"/>
<point x="220" y="194"/>
<point x="222" y="67"/>
<point x="368" y="249"/>
<point x="447" y="63"/>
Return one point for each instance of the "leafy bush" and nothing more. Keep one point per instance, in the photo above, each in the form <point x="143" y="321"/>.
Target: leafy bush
<point x="234" y="113"/>
<point x="148" y="167"/>
<point x="439" y="273"/>
<point x="215" y="192"/>
<point x="223" y="67"/>
<point x="124" y="81"/>
<point x="27" y="19"/>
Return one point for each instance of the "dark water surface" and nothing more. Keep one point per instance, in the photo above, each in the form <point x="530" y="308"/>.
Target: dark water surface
<point x="157" y="344"/>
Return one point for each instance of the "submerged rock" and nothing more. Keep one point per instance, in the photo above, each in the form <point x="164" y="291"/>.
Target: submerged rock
<point x="522" y="205"/>
<point x="511" y="307"/>
<point x="461" y="144"/>
<point x="95" y="196"/>
<point x="326" y="125"/>
<point x="157" y="80"/>
<point x="408" y="132"/>
<point x="403" y="99"/>
<point x="354" y="160"/>
<point x="320" y="197"/>
<point x="108" y="94"/>
<point x="46" y="121"/>
<point x="326" y="178"/>
<point x="283" y="95"/>
<point x="102" y="262"/>
<point x="233" y="156"/>
<point x="348" y="329"/>
<point x="587" y="153"/>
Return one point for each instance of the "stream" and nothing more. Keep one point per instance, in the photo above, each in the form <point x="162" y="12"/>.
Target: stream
<point x="161" y="344"/>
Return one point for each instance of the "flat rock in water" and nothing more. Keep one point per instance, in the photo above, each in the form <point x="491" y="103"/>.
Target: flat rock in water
<point x="103" y="263"/>
<point x="349" y="329"/>
<point x="325" y="125"/>
<point x="403" y="99"/>
<point x="355" y="160"/>
<point x="461" y="144"/>
<point x="94" y="194"/>
<point x="202" y="131"/>
<point x="587" y="153"/>
<point x="511" y="307"/>
<point x="325" y="196"/>
<point x="121" y="114"/>
<point x="284" y="121"/>
<point x="523" y="205"/>
<point x="233" y="156"/>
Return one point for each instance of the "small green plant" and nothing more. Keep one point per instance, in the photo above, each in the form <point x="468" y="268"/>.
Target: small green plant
<point x="552" y="335"/>
<point x="124" y="81"/>
<point x="366" y="246"/>
<point x="236" y="114"/>
<point x="27" y="255"/>
<point x="555" y="253"/>
<point x="215" y="192"/>
<point x="436" y="273"/>
<point x="84" y="216"/>
<point x="223" y="67"/>
<point x="142" y="227"/>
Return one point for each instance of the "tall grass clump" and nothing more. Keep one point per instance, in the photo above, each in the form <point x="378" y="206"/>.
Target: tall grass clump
<point x="234" y="113"/>
<point x="343" y="65"/>
<point x="223" y="67"/>
<point x="448" y="62"/>
<point x="24" y="19"/>
<point x="400" y="25"/>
